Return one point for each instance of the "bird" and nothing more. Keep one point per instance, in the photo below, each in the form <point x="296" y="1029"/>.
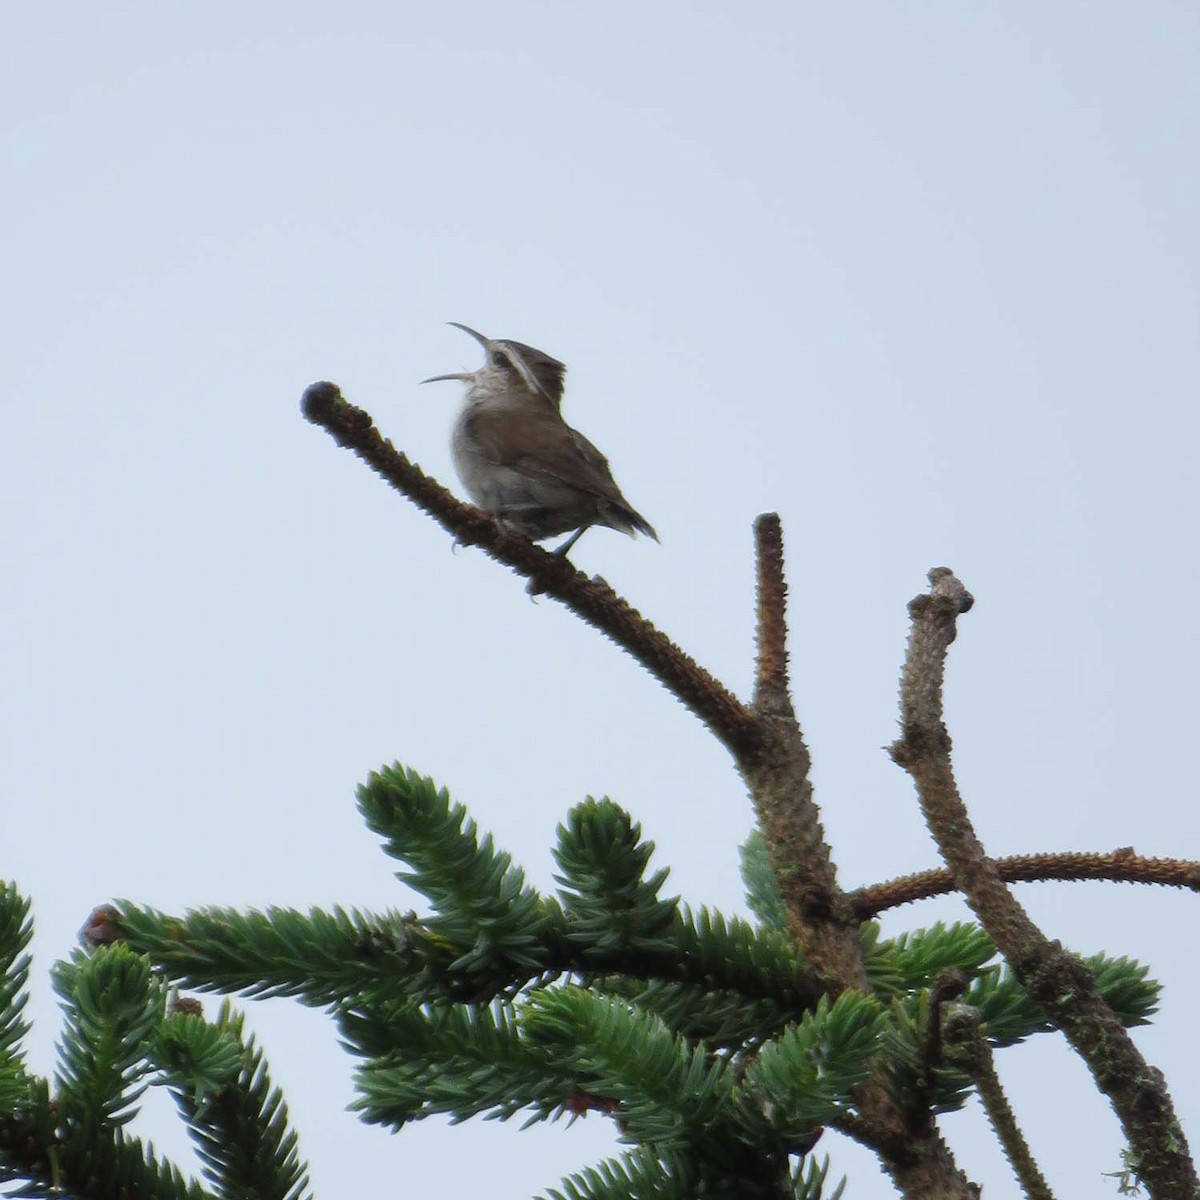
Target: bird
<point x="520" y="461"/>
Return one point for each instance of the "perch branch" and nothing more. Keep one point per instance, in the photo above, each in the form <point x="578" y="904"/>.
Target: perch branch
<point x="1054" y="978"/>
<point x="589" y="598"/>
<point x="1119" y="866"/>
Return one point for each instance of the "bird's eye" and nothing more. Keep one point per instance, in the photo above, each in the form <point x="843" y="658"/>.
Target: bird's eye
<point x="501" y="360"/>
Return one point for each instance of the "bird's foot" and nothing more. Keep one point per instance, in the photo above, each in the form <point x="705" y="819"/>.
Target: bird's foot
<point x="564" y="549"/>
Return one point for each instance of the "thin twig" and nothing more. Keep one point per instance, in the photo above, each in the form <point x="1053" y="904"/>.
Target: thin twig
<point x="1054" y="978"/>
<point x="589" y="598"/>
<point x="1118" y="866"/>
<point x="967" y="1048"/>
<point x="950" y="985"/>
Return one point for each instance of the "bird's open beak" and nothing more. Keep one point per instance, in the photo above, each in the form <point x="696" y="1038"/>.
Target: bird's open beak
<point x="466" y="376"/>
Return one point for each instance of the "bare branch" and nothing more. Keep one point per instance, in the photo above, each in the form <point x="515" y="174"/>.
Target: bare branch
<point x="779" y="781"/>
<point x="771" y="683"/>
<point x="589" y="598"/>
<point x="966" y="1047"/>
<point x="820" y="917"/>
<point x="1054" y="978"/>
<point x="1119" y="866"/>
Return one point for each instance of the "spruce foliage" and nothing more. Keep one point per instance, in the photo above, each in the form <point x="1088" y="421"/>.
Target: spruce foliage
<point x="704" y="1037"/>
<point x="123" y="1032"/>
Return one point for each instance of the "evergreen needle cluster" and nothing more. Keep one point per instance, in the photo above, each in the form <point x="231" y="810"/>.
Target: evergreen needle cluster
<point x="707" y="1039"/>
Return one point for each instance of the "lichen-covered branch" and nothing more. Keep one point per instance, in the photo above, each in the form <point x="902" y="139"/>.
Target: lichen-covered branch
<point x="1118" y="866"/>
<point x="1053" y="977"/>
<point x="966" y="1046"/>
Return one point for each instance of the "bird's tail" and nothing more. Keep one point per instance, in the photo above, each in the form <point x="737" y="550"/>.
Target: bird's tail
<point x="630" y="521"/>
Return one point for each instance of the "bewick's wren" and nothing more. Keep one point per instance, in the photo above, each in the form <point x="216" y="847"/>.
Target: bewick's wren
<point x="519" y="459"/>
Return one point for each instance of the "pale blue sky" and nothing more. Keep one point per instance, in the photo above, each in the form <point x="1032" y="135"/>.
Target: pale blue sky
<point x="921" y="277"/>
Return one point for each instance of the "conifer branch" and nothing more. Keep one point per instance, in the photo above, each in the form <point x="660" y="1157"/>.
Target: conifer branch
<point x="919" y="957"/>
<point x="770" y="752"/>
<point x="590" y="598"/>
<point x="950" y="984"/>
<point x="237" y="1119"/>
<point x="318" y="957"/>
<point x="1054" y="978"/>
<point x="808" y="1180"/>
<point x="460" y="1059"/>
<point x="119" y="1038"/>
<point x="966" y="1046"/>
<point x="89" y="1165"/>
<point x="778" y="776"/>
<point x="112" y="1002"/>
<point x="1012" y="1015"/>
<point x="771" y="688"/>
<point x="818" y="913"/>
<point x="608" y="901"/>
<point x="671" y="1092"/>
<point x="639" y="1174"/>
<point x="766" y="742"/>
<point x="16" y="932"/>
<point x="805" y="1072"/>
<point x="323" y="959"/>
<point x="1117" y="866"/>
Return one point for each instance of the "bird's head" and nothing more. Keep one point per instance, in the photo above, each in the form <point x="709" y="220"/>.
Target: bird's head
<point x="510" y="366"/>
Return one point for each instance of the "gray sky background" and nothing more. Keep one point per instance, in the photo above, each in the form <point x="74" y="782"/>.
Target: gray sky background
<point x="921" y="278"/>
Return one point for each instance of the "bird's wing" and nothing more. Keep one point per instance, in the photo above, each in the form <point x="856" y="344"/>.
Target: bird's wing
<point x="549" y="448"/>
<point x="593" y="456"/>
